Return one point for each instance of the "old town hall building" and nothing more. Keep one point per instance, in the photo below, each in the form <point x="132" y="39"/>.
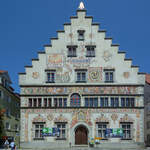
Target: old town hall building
<point x="83" y="85"/>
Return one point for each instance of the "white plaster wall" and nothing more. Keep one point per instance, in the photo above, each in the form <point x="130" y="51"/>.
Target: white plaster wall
<point x="59" y="46"/>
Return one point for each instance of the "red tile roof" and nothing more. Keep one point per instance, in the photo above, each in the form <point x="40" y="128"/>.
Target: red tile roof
<point x="2" y="71"/>
<point x="147" y="78"/>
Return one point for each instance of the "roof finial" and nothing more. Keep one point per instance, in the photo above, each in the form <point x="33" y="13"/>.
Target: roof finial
<point x="81" y="6"/>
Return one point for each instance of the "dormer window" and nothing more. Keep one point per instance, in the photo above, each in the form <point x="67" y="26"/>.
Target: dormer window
<point x="90" y="51"/>
<point x="50" y="76"/>
<point x="81" y="35"/>
<point x="72" y="51"/>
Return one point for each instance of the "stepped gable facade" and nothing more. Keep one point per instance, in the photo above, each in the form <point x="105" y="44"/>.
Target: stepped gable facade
<point x="82" y="84"/>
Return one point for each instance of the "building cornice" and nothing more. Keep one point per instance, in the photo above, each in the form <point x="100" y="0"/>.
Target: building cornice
<point x="82" y="107"/>
<point x="84" y="85"/>
<point x="45" y="95"/>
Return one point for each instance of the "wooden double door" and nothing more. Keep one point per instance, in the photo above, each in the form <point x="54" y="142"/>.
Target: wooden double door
<point x="81" y="136"/>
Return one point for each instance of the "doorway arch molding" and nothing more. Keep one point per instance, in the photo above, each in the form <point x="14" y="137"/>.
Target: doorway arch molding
<point x="89" y="130"/>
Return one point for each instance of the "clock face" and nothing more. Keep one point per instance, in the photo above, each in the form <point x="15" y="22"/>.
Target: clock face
<point x="94" y="75"/>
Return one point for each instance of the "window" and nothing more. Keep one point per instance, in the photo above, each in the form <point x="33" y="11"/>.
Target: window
<point x="101" y="129"/>
<point x="30" y="102"/>
<point x="38" y="126"/>
<point x="72" y="51"/>
<point x="109" y="75"/>
<point x="7" y="112"/>
<point x="39" y="102"/>
<point x="91" y="102"/>
<point x="114" y="102"/>
<point x="75" y="100"/>
<point x="127" y="102"/>
<point x="34" y="102"/>
<point x="126" y="126"/>
<point x="47" y="102"/>
<point x="51" y="76"/>
<point x="80" y="75"/>
<point x="104" y="101"/>
<point x="81" y="35"/>
<point x="16" y="127"/>
<point x="148" y="125"/>
<point x="90" y="51"/>
<point x="62" y="128"/>
<point x="7" y="126"/>
<point x="60" y="102"/>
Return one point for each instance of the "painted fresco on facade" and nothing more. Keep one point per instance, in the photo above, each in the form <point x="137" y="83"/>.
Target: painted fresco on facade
<point x="84" y="90"/>
<point x="54" y="60"/>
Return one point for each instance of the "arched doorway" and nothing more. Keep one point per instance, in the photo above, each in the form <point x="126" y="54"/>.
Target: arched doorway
<point x="81" y="135"/>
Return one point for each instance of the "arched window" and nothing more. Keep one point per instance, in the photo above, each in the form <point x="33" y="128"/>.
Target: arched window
<point x="75" y="100"/>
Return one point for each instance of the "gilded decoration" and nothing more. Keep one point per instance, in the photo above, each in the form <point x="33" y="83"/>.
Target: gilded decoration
<point x="81" y="116"/>
<point x="50" y="117"/>
<point x="126" y="118"/>
<point x="102" y="118"/>
<point x="84" y="90"/>
<point x="107" y="56"/>
<point x="60" y="118"/>
<point x="114" y="117"/>
<point x="95" y="74"/>
<point x="39" y="118"/>
<point x="35" y="75"/>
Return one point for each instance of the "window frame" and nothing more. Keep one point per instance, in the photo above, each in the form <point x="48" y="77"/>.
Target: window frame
<point x="75" y="103"/>
<point x="105" y="101"/>
<point x="91" y="49"/>
<point x="60" y="137"/>
<point x="81" y="35"/>
<point x="103" y="130"/>
<point x="80" y="73"/>
<point x="39" y="137"/>
<point x="108" y="78"/>
<point x="50" y="76"/>
<point x="87" y="102"/>
<point x="72" y="51"/>
<point x="126" y="130"/>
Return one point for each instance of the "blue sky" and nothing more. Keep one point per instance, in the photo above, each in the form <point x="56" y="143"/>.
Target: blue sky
<point x="27" y="25"/>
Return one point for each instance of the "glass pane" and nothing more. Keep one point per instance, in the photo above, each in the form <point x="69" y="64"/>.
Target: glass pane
<point x="99" y="126"/>
<point x="106" y="101"/>
<point x="106" y="76"/>
<point x="60" y="102"/>
<point x="111" y="76"/>
<point x="78" y="76"/>
<point x="86" y="102"/>
<point x="96" y="102"/>
<point x="102" y="102"/>
<point x="122" y="102"/>
<point x="65" y="102"/>
<point x="36" y="126"/>
<point x="63" y="125"/>
<point x="91" y="102"/>
<point x="112" y="102"/>
<point x="83" y="76"/>
<point x="63" y="133"/>
<point x="36" y="133"/>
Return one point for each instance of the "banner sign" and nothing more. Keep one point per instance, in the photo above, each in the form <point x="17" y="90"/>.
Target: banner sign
<point x="114" y="133"/>
<point x="51" y="132"/>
